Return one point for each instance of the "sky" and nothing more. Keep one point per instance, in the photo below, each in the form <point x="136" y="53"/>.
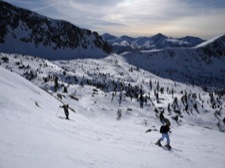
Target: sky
<point x="175" y="18"/>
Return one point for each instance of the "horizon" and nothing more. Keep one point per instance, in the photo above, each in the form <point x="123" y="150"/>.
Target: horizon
<point x="137" y="18"/>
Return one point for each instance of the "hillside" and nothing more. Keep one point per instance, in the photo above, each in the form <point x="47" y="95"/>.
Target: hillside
<point x="114" y="76"/>
<point x="202" y="65"/>
<point x="26" y="32"/>
<point x="33" y="133"/>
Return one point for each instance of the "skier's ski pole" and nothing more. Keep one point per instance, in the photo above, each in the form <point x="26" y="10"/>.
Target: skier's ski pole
<point x="57" y="111"/>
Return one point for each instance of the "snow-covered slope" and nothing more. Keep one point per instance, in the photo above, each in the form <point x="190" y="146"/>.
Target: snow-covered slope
<point x="157" y="41"/>
<point x="110" y="76"/>
<point x="32" y="135"/>
<point x="26" y="32"/>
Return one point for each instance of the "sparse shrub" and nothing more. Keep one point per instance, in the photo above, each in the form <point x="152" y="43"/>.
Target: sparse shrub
<point x="156" y="110"/>
<point x="119" y="114"/>
<point x="65" y="89"/>
<point x="45" y="79"/>
<point x="17" y="63"/>
<point x="5" y="59"/>
<point x="74" y="97"/>
<point x="196" y="108"/>
<point x="60" y="96"/>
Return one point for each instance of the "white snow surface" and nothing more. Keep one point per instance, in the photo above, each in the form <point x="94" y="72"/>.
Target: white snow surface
<point x="33" y="133"/>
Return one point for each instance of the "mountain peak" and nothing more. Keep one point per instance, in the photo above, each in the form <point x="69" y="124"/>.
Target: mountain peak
<point x="160" y="35"/>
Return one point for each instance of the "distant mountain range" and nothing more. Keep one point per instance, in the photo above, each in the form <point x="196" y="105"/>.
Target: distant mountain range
<point x="26" y="32"/>
<point x="202" y="65"/>
<point x="159" y="41"/>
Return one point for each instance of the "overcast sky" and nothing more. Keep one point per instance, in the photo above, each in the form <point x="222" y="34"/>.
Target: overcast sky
<point x="176" y="18"/>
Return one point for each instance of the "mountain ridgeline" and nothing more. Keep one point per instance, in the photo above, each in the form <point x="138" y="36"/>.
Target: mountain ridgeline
<point x="26" y="32"/>
<point x="158" y="41"/>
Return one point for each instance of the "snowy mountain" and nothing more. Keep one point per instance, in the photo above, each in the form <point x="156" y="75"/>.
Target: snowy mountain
<point x="35" y="134"/>
<point x="115" y="102"/>
<point x="202" y="65"/>
<point x="158" y="41"/>
<point x="26" y="32"/>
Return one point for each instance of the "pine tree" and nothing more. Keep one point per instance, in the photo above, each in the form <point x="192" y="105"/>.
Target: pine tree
<point x="56" y="83"/>
<point x="65" y="90"/>
<point x="150" y="84"/>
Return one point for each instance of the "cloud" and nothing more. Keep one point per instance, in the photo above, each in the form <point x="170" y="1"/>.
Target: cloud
<point x="27" y="4"/>
<point x="205" y="4"/>
<point x="137" y="17"/>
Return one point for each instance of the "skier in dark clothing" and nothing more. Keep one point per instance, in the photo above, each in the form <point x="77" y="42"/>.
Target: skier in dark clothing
<point x="66" y="110"/>
<point x="164" y="130"/>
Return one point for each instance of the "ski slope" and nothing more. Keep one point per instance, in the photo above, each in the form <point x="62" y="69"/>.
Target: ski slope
<point x="33" y="135"/>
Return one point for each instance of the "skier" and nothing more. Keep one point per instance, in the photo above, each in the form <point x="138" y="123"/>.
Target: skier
<point x="164" y="130"/>
<point x="66" y="110"/>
